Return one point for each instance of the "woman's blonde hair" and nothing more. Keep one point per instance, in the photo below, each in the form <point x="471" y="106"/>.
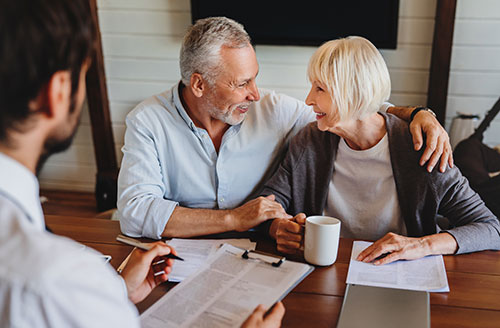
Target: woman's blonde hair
<point x="354" y="73"/>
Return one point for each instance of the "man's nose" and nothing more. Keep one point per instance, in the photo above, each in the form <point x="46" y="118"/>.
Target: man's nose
<point x="253" y="92"/>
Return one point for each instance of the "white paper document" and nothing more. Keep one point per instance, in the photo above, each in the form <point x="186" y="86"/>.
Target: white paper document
<point x="425" y="274"/>
<point x="196" y="251"/>
<point x="225" y="291"/>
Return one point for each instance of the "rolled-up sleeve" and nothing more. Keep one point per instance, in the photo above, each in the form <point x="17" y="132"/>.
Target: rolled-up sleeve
<point x="143" y="210"/>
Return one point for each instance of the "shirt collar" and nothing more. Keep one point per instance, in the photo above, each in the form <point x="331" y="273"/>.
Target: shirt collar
<point x="180" y="108"/>
<point x="20" y="186"/>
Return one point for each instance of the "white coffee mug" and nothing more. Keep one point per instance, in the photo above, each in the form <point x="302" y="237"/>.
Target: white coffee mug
<point x="321" y="240"/>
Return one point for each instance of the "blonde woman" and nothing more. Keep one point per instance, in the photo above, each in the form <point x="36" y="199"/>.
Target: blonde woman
<point x="358" y="165"/>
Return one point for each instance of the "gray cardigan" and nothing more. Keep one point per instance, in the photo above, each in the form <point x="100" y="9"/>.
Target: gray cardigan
<point x="301" y="185"/>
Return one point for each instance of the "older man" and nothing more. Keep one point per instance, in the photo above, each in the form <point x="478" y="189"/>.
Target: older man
<point x="195" y="153"/>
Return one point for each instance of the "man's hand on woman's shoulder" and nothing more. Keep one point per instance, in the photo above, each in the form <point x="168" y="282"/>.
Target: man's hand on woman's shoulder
<point x="438" y="147"/>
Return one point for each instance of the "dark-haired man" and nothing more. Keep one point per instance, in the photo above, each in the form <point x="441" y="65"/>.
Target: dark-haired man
<point x="46" y="280"/>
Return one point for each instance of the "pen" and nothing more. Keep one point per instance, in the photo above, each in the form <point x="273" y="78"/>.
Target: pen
<point x="145" y="247"/>
<point x="380" y="256"/>
<point x="124" y="263"/>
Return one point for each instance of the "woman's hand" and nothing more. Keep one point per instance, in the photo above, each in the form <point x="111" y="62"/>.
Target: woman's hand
<point x="289" y="233"/>
<point x="258" y="319"/>
<point x="393" y="247"/>
<point x="139" y="274"/>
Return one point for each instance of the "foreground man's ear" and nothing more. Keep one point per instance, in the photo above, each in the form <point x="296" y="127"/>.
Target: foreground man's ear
<point x="54" y="97"/>
<point x="59" y="93"/>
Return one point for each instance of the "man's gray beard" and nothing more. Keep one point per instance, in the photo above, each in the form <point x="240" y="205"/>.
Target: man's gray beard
<point x="226" y="117"/>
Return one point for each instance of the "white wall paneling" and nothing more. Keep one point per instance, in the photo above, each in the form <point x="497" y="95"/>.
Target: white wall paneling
<point x="141" y="43"/>
<point x="475" y="62"/>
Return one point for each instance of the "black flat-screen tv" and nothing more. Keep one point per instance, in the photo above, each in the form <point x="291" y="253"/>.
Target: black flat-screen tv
<point x="309" y="22"/>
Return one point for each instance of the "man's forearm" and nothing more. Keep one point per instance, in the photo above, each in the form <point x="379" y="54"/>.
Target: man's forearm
<point x="188" y="222"/>
<point x="403" y="112"/>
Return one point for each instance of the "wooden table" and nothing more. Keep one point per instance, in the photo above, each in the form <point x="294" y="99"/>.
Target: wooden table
<point x="474" y="279"/>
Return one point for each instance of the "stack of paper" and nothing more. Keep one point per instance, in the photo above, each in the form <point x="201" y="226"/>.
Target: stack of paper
<point x="425" y="274"/>
<point x="195" y="252"/>
<point x="225" y="291"/>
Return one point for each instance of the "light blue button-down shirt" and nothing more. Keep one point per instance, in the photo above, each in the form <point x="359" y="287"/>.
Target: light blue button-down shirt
<point x="48" y="280"/>
<point x="168" y="161"/>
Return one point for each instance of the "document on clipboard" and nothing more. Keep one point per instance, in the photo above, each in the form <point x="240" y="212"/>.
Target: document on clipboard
<point x="197" y="251"/>
<point x="226" y="290"/>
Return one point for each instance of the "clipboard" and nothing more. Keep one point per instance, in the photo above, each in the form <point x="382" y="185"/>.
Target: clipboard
<point x="279" y="261"/>
<point x="226" y="289"/>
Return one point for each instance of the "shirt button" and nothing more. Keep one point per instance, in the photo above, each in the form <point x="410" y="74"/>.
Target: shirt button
<point x="222" y="200"/>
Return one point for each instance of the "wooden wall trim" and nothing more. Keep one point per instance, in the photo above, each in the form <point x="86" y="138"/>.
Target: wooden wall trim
<point x="102" y="132"/>
<point x="441" y="57"/>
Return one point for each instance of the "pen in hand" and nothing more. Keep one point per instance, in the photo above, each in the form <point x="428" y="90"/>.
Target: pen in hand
<point x="146" y="247"/>
<point x="380" y="257"/>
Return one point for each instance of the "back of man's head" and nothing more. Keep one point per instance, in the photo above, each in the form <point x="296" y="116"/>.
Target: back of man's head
<point x="39" y="38"/>
<point x="202" y="43"/>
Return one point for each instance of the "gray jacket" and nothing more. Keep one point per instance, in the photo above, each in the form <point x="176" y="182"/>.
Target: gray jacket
<point x="301" y="185"/>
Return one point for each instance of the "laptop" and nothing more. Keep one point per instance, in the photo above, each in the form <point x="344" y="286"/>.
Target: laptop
<point x="367" y="306"/>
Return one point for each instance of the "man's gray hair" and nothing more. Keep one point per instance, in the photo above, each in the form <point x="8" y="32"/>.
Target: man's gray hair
<point x="200" y="52"/>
